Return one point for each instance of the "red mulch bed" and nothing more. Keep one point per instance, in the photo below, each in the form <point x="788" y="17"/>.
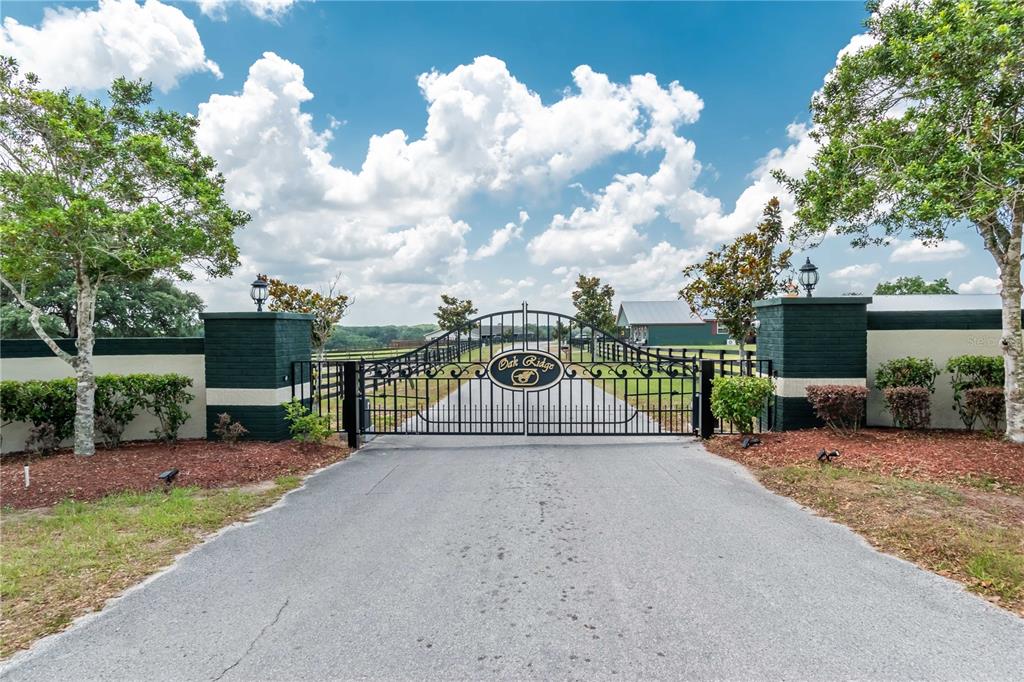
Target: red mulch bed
<point x="134" y="466"/>
<point x="936" y="455"/>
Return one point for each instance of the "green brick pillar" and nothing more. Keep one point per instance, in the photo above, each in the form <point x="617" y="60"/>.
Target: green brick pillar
<point x="812" y="341"/>
<point x="249" y="368"/>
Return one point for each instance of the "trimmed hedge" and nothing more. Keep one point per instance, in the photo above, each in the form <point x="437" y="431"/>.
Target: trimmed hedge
<point x="986" y="404"/>
<point x="911" y="406"/>
<point x="840" y="407"/>
<point x="971" y="372"/>
<point x="49" y="406"/>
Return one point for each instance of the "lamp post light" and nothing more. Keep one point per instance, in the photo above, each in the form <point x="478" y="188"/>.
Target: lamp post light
<point x="809" y="276"/>
<point x="258" y="292"/>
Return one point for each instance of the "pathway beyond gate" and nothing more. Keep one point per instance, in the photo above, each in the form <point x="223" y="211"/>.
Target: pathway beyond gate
<point x="546" y="558"/>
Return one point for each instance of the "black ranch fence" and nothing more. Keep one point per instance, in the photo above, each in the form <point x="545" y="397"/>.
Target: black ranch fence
<point x="606" y="349"/>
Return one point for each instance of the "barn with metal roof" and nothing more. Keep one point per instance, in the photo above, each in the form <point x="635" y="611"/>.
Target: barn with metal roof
<point x="667" y="323"/>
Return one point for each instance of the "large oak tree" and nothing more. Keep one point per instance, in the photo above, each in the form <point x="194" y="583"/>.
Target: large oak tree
<point x="108" y="191"/>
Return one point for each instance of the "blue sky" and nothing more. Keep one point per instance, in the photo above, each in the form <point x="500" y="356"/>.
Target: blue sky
<point x="532" y="146"/>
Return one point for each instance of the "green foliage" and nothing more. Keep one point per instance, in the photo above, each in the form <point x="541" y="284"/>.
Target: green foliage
<point x="902" y="286"/>
<point x="228" y="430"/>
<point x="728" y="282"/>
<point x="117" y="400"/>
<point x="973" y="371"/>
<point x="986" y="404"/>
<point x="376" y="336"/>
<point x="840" y="407"/>
<point x="922" y="129"/>
<point x="907" y="371"/>
<point x="305" y="426"/>
<point x="106" y="188"/>
<point x="327" y="307"/>
<point x="593" y="303"/>
<point x="50" y="405"/>
<point x="910" y="406"/>
<point x="454" y="313"/>
<point x="740" y="399"/>
<point x="149" y="306"/>
<point x="165" y="396"/>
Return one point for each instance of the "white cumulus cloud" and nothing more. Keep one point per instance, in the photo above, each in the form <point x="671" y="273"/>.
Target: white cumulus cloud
<point x="501" y="238"/>
<point x="87" y="48"/>
<point x="856" y="273"/>
<point x="916" y="251"/>
<point x="264" y="9"/>
<point x="981" y="285"/>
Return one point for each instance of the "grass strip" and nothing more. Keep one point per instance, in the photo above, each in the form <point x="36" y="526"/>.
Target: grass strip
<point x="61" y="563"/>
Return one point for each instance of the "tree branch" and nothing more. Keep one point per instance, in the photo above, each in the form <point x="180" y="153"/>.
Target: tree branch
<point x="33" y="317"/>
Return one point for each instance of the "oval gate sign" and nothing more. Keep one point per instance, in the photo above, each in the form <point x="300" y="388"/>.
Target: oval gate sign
<point x="525" y="369"/>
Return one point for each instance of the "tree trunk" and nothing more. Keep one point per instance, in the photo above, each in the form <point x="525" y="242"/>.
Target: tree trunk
<point x="1013" y="343"/>
<point x="85" y="390"/>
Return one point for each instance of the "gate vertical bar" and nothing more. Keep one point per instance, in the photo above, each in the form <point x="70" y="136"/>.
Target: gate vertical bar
<point x="707" y="420"/>
<point x="350" y="402"/>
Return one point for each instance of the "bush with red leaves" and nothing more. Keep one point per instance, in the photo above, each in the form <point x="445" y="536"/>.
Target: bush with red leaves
<point x="840" y="407"/>
<point x="987" y="404"/>
<point x="911" y="406"/>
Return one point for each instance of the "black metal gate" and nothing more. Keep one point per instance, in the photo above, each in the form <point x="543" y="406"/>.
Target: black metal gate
<point x="516" y="372"/>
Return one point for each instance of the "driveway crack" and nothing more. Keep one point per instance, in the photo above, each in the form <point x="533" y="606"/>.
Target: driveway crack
<point x="255" y="639"/>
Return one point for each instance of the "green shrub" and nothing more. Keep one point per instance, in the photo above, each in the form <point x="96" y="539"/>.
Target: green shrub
<point x="907" y="372"/>
<point x="165" y="396"/>
<point x="305" y="426"/>
<point x="49" y="406"/>
<point x="986" y="404"/>
<point x="117" y="400"/>
<point x="911" y="406"/>
<point x="740" y="399"/>
<point x="840" y="407"/>
<point x="973" y="371"/>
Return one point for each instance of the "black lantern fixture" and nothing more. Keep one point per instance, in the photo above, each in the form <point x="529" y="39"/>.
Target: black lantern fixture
<point x="258" y="292"/>
<point x="809" y="276"/>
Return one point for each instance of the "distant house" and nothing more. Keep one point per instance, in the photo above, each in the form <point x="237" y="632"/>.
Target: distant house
<point x="667" y="323"/>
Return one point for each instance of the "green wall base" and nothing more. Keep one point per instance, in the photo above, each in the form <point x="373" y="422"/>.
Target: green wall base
<point x="265" y="422"/>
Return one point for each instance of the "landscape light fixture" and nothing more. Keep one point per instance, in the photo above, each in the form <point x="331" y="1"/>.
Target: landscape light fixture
<point x="259" y="292"/>
<point x="809" y="276"/>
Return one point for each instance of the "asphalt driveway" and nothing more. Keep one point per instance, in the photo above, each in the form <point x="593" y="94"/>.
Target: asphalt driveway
<point x="542" y="557"/>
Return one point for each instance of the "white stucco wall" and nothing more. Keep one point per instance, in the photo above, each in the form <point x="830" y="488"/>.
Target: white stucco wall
<point x="12" y="437"/>
<point x="938" y="344"/>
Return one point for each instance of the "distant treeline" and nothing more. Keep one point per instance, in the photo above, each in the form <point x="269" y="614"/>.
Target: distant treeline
<point x="345" y="337"/>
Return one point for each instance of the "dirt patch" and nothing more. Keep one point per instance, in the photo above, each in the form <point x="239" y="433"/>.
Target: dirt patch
<point x="135" y="466"/>
<point x="949" y="456"/>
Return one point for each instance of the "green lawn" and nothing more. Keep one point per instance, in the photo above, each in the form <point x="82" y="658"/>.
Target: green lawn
<point x="61" y="563"/>
<point x="660" y="396"/>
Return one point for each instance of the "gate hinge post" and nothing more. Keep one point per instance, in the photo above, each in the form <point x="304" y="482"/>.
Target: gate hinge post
<point x="350" y="402"/>
<point x="706" y="423"/>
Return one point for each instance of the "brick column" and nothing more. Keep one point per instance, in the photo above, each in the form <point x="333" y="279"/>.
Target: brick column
<point x="249" y="368"/>
<point x="812" y="341"/>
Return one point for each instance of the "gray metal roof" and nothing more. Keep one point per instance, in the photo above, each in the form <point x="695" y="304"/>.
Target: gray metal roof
<point x="915" y="302"/>
<point x="656" y="312"/>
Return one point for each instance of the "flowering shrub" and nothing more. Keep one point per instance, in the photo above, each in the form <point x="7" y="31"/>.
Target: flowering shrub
<point x="840" y="407"/>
